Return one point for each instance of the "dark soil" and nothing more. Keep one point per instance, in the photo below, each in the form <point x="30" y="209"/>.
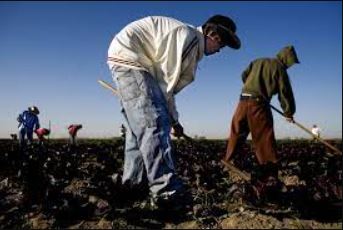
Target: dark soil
<point x="56" y="186"/>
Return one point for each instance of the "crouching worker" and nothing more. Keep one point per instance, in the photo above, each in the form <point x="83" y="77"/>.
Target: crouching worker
<point x="72" y="130"/>
<point x="41" y="132"/>
<point x="262" y="79"/>
<point x="28" y="121"/>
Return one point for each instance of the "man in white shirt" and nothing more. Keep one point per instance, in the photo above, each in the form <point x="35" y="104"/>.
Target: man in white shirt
<point x="316" y="131"/>
<point x="151" y="60"/>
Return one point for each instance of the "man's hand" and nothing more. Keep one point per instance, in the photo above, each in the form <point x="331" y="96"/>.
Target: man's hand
<point x="177" y="130"/>
<point x="290" y="119"/>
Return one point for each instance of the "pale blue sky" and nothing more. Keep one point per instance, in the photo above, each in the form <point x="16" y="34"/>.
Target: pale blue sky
<point x="53" y="53"/>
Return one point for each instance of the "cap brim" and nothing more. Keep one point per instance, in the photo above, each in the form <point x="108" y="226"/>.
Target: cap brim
<point x="234" y="42"/>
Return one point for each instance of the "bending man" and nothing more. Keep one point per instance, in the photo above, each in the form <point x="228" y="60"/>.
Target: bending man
<point x="262" y="79"/>
<point x="151" y="60"/>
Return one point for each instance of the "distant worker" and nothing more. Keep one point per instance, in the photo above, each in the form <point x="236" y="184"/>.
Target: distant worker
<point x="122" y="131"/>
<point x="14" y="136"/>
<point x="28" y="122"/>
<point x="41" y="132"/>
<point x="73" y="129"/>
<point x="262" y="79"/>
<point x="316" y="131"/>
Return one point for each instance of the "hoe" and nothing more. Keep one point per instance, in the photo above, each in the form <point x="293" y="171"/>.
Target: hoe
<point x="245" y="176"/>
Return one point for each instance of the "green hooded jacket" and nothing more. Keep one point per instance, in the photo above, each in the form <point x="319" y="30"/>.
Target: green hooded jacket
<point x="268" y="76"/>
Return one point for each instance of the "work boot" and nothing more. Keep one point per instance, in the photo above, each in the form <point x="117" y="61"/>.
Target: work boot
<point x="132" y="193"/>
<point x="266" y="183"/>
<point x="178" y="201"/>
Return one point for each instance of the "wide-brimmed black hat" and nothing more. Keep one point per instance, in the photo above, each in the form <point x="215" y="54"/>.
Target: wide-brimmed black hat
<point x="227" y="27"/>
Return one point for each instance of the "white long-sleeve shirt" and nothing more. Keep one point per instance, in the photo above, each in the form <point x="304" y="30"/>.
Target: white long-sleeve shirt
<point x="316" y="131"/>
<point x="168" y="49"/>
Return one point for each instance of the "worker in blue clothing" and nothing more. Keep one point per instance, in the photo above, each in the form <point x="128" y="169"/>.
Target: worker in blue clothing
<point x="28" y="122"/>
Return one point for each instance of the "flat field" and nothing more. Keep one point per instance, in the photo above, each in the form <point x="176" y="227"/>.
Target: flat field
<point x="55" y="186"/>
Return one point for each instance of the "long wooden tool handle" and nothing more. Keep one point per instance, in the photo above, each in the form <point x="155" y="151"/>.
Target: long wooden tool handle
<point x="187" y="138"/>
<point x="319" y="139"/>
<point x="114" y="91"/>
<point x="243" y="175"/>
<point x="309" y="132"/>
<point x="108" y="86"/>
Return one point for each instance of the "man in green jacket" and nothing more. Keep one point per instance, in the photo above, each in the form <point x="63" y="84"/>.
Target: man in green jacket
<point x="262" y="79"/>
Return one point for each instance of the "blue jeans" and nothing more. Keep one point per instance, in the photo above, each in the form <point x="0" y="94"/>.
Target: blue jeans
<point x="21" y="135"/>
<point x="148" y="151"/>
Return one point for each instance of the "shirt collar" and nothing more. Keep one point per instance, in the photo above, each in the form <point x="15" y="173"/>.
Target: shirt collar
<point x="201" y="49"/>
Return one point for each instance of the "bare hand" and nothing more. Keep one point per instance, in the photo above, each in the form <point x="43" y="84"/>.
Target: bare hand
<point x="177" y="130"/>
<point x="290" y="119"/>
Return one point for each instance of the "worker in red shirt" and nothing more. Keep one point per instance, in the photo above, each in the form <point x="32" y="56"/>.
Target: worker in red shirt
<point x="41" y="132"/>
<point x="73" y="129"/>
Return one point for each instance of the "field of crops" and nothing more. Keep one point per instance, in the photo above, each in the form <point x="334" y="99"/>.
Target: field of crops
<point x="55" y="186"/>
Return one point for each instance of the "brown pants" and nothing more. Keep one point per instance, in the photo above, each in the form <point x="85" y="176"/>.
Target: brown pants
<point x="255" y="117"/>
